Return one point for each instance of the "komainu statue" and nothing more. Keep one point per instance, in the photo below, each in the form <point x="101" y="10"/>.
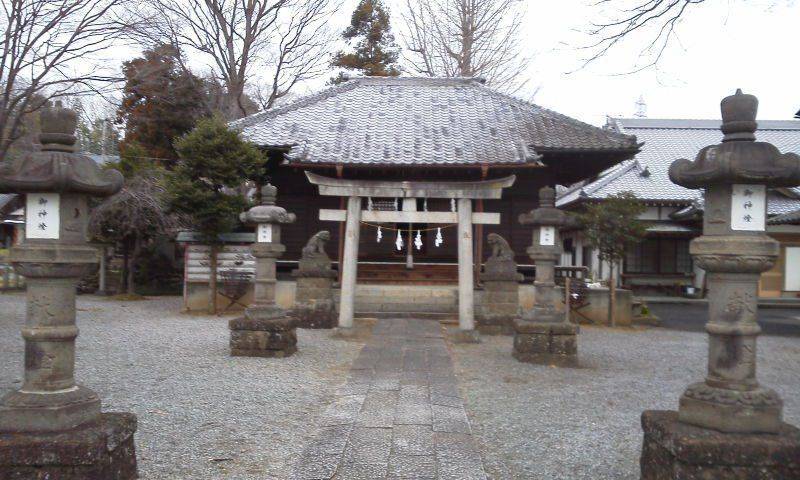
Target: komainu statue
<point x="500" y="265"/>
<point x="500" y="247"/>
<point x="500" y="300"/>
<point x="316" y="245"/>
<point x="314" y="306"/>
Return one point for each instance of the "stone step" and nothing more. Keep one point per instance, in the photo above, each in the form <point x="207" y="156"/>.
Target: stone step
<point x="411" y="307"/>
<point x="447" y="318"/>
<point x="405" y="299"/>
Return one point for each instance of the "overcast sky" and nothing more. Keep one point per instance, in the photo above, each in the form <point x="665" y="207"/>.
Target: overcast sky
<point x="722" y="45"/>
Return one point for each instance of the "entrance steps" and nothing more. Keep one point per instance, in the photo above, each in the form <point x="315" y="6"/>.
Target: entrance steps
<point x="407" y="301"/>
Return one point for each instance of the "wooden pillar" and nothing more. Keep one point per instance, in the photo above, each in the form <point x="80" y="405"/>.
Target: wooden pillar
<point x="349" y="267"/>
<point x="466" y="306"/>
<point x="340" y="174"/>
<point x="101" y="287"/>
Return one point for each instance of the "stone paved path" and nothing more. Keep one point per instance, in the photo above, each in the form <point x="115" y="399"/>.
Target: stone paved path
<point x="400" y="414"/>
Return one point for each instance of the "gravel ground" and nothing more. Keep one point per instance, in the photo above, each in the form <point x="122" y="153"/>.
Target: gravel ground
<point x="202" y="414"/>
<point x="558" y="423"/>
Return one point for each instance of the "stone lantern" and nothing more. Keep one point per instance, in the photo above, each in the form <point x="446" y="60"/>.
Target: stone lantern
<point x="53" y="427"/>
<point x="543" y="334"/>
<point x="729" y="422"/>
<point x="265" y="330"/>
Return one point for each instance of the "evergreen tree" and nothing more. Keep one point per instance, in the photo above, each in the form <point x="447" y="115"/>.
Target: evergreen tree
<point x="204" y="185"/>
<point x="611" y="226"/>
<point x="375" y="53"/>
<point x="161" y="101"/>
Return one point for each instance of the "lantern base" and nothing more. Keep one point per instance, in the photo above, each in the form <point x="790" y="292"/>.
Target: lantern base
<point x="22" y="411"/>
<point x="546" y="343"/>
<point x="732" y="411"/>
<point x="673" y="450"/>
<point x="99" y="450"/>
<point x="262" y="333"/>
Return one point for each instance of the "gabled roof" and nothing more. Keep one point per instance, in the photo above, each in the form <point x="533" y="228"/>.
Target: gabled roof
<point x="422" y="121"/>
<point x="665" y="141"/>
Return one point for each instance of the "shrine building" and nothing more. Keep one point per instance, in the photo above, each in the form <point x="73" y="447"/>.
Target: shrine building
<point x="399" y="162"/>
<point x="421" y="129"/>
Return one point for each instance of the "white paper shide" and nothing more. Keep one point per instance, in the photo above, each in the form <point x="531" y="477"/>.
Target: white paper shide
<point x="748" y="207"/>
<point x="547" y="236"/>
<point x="264" y="233"/>
<point x="42" y="219"/>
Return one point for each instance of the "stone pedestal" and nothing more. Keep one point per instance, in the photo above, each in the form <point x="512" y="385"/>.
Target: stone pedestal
<point x="673" y="450"/>
<point x="500" y="303"/>
<point x="266" y="330"/>
<point x="543" y="335"/>
<point x="263" y="334"/>
<point x="546" y="343"/>
<point x="102" y="449"/>
<point x="314" y="303"/>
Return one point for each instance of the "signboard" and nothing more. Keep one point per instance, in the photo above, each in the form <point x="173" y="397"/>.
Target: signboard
<point x="748" y="207"/>
<point x="547" y="235"/>
<point x="264" y="233"/>
<point x="42" y="215"/>
<point x="231" y="257"/>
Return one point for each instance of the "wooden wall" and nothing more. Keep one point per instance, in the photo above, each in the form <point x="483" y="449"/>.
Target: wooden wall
<point x="298" y="196"/>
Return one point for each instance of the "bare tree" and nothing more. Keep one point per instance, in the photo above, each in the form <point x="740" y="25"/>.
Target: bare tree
<point x="48" y="49"/>
<point x="283" y="40"/>
<point x="134" y="216"/>
<point x="466" y="38"/>
<point x="654" y="21"/>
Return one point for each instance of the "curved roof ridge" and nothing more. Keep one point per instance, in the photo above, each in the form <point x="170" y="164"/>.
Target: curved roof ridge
<point x="561" y="116"/>
<point x="424" y="121"/>
<point x="296" y="104"/>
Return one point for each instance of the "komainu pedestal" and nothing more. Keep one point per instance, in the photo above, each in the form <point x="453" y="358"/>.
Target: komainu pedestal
<point x="314" y="304"/>
<point x="266" y="330"/>
<point x="729" y="425"/>
<point x="543" y="334"/>
<point x="500" y="303"/>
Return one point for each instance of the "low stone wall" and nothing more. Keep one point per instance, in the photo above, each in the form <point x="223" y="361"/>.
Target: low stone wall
<point x="441" y="299"/>
<point x="596" y="312"/>
<point x="196" y="297"/>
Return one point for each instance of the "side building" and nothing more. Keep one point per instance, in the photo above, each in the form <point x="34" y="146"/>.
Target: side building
<point x="661" y="264"/>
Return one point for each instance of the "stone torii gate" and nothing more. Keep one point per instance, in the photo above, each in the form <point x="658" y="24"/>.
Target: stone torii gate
<point x="462" y="192"/>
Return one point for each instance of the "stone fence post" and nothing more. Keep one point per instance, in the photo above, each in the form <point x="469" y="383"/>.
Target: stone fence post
<point x="314" y="303"/>
<point x="729" y="426"/>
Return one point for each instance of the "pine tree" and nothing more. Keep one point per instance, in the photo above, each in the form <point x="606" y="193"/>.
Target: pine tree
<point x="610" y="227"/>
<point x="204" y="185"/>
<point x="375" y="52"/>
<point x="161" y="101"/>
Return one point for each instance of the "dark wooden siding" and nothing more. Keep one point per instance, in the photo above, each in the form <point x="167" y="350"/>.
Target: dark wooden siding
<point x="298" y="196"/>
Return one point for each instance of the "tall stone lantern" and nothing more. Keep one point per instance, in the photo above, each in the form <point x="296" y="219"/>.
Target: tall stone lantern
<point x="729" y="422"/>
<point x="53" y="427"/>
<point x="543" y="334"/>
<point x="266" y="330"/>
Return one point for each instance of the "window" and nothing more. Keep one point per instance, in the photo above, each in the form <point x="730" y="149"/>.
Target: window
<point x="659" y="255"/>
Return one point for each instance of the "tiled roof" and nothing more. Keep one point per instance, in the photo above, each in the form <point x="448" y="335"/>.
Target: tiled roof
<point x="422" y="121"/>
<point x="666" y="141"/>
